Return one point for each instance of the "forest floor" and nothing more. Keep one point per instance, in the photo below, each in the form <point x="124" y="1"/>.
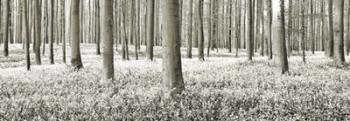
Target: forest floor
<point x="224" y="87"/>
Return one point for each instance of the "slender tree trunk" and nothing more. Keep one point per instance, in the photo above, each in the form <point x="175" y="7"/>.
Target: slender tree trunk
<point x="290" y="28"/>
<point x="135" y="30"/>
<point x="323" y="37"/>
<point x="45" y="22"/>
<point x="303" y="28"/>
<point x="172" y="68"/>
<point x="132" y="26"/>
<point x="211" y="28"/>
<point x="189" y="30"/>
<point x="107" y="39"/>
<point x="312" y="29"/>
<point x="52" y="32"/>
<point x="26" y="34"/>
<point x="238" y="25"/>
<point x="126" y="39"/>
<point x="339" y="32"/>
<point x="280" y="35"/>
<point x="195" y="27"/>
<point x="347" y="40"/>
<point x="150" y="29"/>
<point x="37" y="32"/>
<point x="200" y="31"/>
<point x="330" y="52"/>
<point x="250" y="30"/>
<point x="6" y="27"/>
<point x="230" y="27"/>
<point x="270" y="29"/>
<point x="262" y="24"/>
<point x="75" y="41"/>
<point x="98" y="38"/>
<point x="65" y="32"/>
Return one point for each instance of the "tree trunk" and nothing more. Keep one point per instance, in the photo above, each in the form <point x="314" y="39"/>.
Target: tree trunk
<point x="75" y="41"/>
<point x="290" y="28"/>
<point x="172" y="68"/>
<point x="126" y="39"/>
<point x="132" y="26"/>
<point x="37" y="32"/>
<point x="52" y="33"/>
<point x="238" y="26"/>
<point x="5" y="24"/>
<point x="189" y="30"/>
<point x="347" y="40"/>
<point x="303" y="29"/>
<point x="312" y="29"/>
<point x="195" y="27"/>
<point x="98" y="38"/>
<point x="200" y="31"/>
<point x="150" y="29"/>
<point x="230" y="27"/>
<point x="280" y="35"/>
<point x="107" y="39"/>
<point x="269" y="27"/>
<point x="250" y="30"/>
<point x="330" y="52"/>
<point x="45" y="22"/>
<point x="339" y="32"/>
<point x="26" y="34"/>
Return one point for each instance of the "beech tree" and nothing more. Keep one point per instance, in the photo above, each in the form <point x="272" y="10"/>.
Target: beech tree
<point x="150" y="29"/>
<point x="330" y="51"/>
<point x="339" y="54"/>
<point x="200" y="31"/>
<point x="189" y="30"/>
<point x="172" y="68"/>
<point x="37" y="32"/>
<point x="279" y="36"/>
<point x="52" y="59"/>
<point x="107" y="39"/>
<point x="250" y="30"/>
<point x="26" y="34"/>
<point x="269" y="28"/>
<point x="97" y="38"/>
<point x="303" y="29"/>
<point x="75" y="34"/>
<point x="5" y="26"/>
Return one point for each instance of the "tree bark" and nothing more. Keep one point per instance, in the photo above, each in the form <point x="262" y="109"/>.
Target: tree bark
<point x="52" y="60"/>
<point x="75" y="41"/>
<point x="98" y="38"/>
<point x="290" y="28"/>
<point x="238" y="26"/>
<point x="269" y="27"/>
<point x="172" y="68"/>
<point x="339" y="33"/>
<point x="6" y="26"/>
<point x="150" y="29"/>
<point x="312" y="29"/>
<point x="189" y="30"/>
<point x="107" y="39"/>
<point x="280" y="35"/>
<point x="330" y="52"/>
<point x="303" y="29"/>
<point x="37" y="32"/>
<point x="26" y="34"/>
<point x="250" y="30"/>
<point x="200" y="31"/>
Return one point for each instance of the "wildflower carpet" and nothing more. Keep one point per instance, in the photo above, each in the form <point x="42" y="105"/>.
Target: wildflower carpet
<point x="223" y="87"/>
